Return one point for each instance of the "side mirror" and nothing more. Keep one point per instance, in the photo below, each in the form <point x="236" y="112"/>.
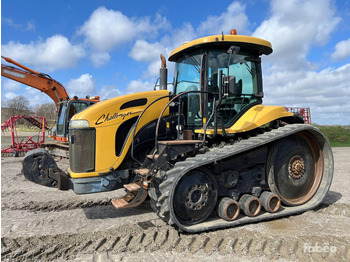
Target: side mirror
<point x="231" y="85"/>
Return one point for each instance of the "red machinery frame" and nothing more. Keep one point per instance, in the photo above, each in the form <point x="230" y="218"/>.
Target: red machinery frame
<point x="21" y="146"/>
<point x="304" y="112"/>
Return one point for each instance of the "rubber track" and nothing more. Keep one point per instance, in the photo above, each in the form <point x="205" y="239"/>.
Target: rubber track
<point x="162" y="198"/>
<point x="163" y="238"/>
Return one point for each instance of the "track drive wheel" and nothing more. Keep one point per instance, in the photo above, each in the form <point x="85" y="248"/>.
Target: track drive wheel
<point x="295" y="168"/>
<point x="194" y="197"/>
<point x="184" y="199"/>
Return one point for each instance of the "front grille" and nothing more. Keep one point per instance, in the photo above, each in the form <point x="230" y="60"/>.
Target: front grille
<point x="82" y="150"/>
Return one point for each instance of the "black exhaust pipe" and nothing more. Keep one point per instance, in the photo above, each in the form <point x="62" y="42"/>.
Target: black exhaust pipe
<point x="163" y="75"/>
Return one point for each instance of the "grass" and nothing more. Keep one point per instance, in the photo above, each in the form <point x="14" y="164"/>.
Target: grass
<point x="338" y="136"/>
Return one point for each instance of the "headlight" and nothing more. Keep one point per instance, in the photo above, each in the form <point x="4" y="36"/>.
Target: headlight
<point x="79" y="123"/>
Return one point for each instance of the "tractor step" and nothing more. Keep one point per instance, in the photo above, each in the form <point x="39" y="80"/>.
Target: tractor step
<point x="156" y="156"/>
<point x="133" y="187"/>
<point x="119" y="203"/>
<point x="134" y="196"/>
<point x="142" y="171"/>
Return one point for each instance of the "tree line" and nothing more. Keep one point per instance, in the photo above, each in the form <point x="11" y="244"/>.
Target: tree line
<point x="19" y="105"/>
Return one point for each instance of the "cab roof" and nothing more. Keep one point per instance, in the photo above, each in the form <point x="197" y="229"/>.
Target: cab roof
<point x="249" y="44"/>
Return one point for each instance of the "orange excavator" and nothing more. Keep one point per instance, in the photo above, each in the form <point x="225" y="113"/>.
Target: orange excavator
<point x="66" y="106"/>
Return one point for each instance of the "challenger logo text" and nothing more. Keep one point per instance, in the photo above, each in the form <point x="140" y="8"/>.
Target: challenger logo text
<point x="104" y="118"/>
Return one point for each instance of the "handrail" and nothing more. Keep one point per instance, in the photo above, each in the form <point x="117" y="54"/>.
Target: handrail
<point x="167" y="105"/>
<point x="136" y="123"/>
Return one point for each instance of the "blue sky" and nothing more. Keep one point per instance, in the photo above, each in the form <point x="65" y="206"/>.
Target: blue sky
<point x="111" y="48"/>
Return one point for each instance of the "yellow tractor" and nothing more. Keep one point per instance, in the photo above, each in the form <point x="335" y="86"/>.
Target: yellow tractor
<point x="209" y="154"/>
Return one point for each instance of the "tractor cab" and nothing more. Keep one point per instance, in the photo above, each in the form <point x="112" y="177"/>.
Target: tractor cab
<point x="222" y="78"/>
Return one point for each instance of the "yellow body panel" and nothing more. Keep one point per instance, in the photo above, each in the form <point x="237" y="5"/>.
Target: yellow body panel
<point x="255" y="117"/>
<point x="263" y="46"/>
<point x="106" y="117"/>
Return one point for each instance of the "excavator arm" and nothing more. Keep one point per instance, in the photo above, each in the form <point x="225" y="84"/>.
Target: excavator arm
<point x="54" y="89"/>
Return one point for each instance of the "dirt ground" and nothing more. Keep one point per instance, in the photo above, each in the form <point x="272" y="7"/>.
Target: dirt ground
<point x="43" y="224"/>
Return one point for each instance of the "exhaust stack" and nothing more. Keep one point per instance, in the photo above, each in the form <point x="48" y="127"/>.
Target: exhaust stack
<point x="163" y="74"/>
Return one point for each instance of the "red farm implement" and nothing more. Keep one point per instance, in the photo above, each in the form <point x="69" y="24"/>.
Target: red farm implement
<point x="304" y="112"/>
<point x="18" y="145"/>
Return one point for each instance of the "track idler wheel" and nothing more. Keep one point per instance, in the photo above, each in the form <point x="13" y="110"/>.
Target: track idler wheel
<point x="270" y="202"/>
<point x="295" y="168"/>
<point x="228" y="209"/>
<point x="250" y="205"/>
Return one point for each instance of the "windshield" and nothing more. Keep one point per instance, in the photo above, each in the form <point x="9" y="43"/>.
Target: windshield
<point x="187" y="72"/>
<point x="60" y="123"/>
<point x="244" y="71"/>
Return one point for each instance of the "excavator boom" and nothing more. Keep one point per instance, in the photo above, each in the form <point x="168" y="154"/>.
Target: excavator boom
<point x="54" y="89"/>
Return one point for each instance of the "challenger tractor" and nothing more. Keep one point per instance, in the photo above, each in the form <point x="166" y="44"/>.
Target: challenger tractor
<point x="208" y="155"/>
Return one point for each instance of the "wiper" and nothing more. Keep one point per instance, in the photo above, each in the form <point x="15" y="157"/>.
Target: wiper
<point x="248" y="69"/>
<point x="194" y="62"/>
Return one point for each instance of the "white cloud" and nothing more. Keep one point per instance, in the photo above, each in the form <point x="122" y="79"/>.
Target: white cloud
<point x="326" y="92"/>
<point x="30" y="26"/>
<point x="294" y="27"/>
<point x="233" y="16"/>
<point x="35" y="96"/>
<point x="11" y="89"/>
<point x="146" y="52"/>
<point x="10" y="85"/>
<point x="342" y="50"/>
<point x="153" y="69"/>
<point x="179" y="36"/>
<point x="82" y="86"/>
<point x="137" y="86"/>
<point x="105" y="29"/>
<point x="109" y="91"/>
<point x="100" y="58"/>
<point x="10" y="95"/>
<point x="54" y="53"/>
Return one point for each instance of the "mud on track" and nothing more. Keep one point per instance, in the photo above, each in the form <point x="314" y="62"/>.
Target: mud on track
<point x="44" y="224"/>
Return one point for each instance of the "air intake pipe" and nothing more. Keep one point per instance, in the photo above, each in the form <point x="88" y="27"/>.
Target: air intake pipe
<point x="163" y="74"/>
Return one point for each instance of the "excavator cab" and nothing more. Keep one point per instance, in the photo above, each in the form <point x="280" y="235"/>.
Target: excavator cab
<point x="66" y="111"/>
